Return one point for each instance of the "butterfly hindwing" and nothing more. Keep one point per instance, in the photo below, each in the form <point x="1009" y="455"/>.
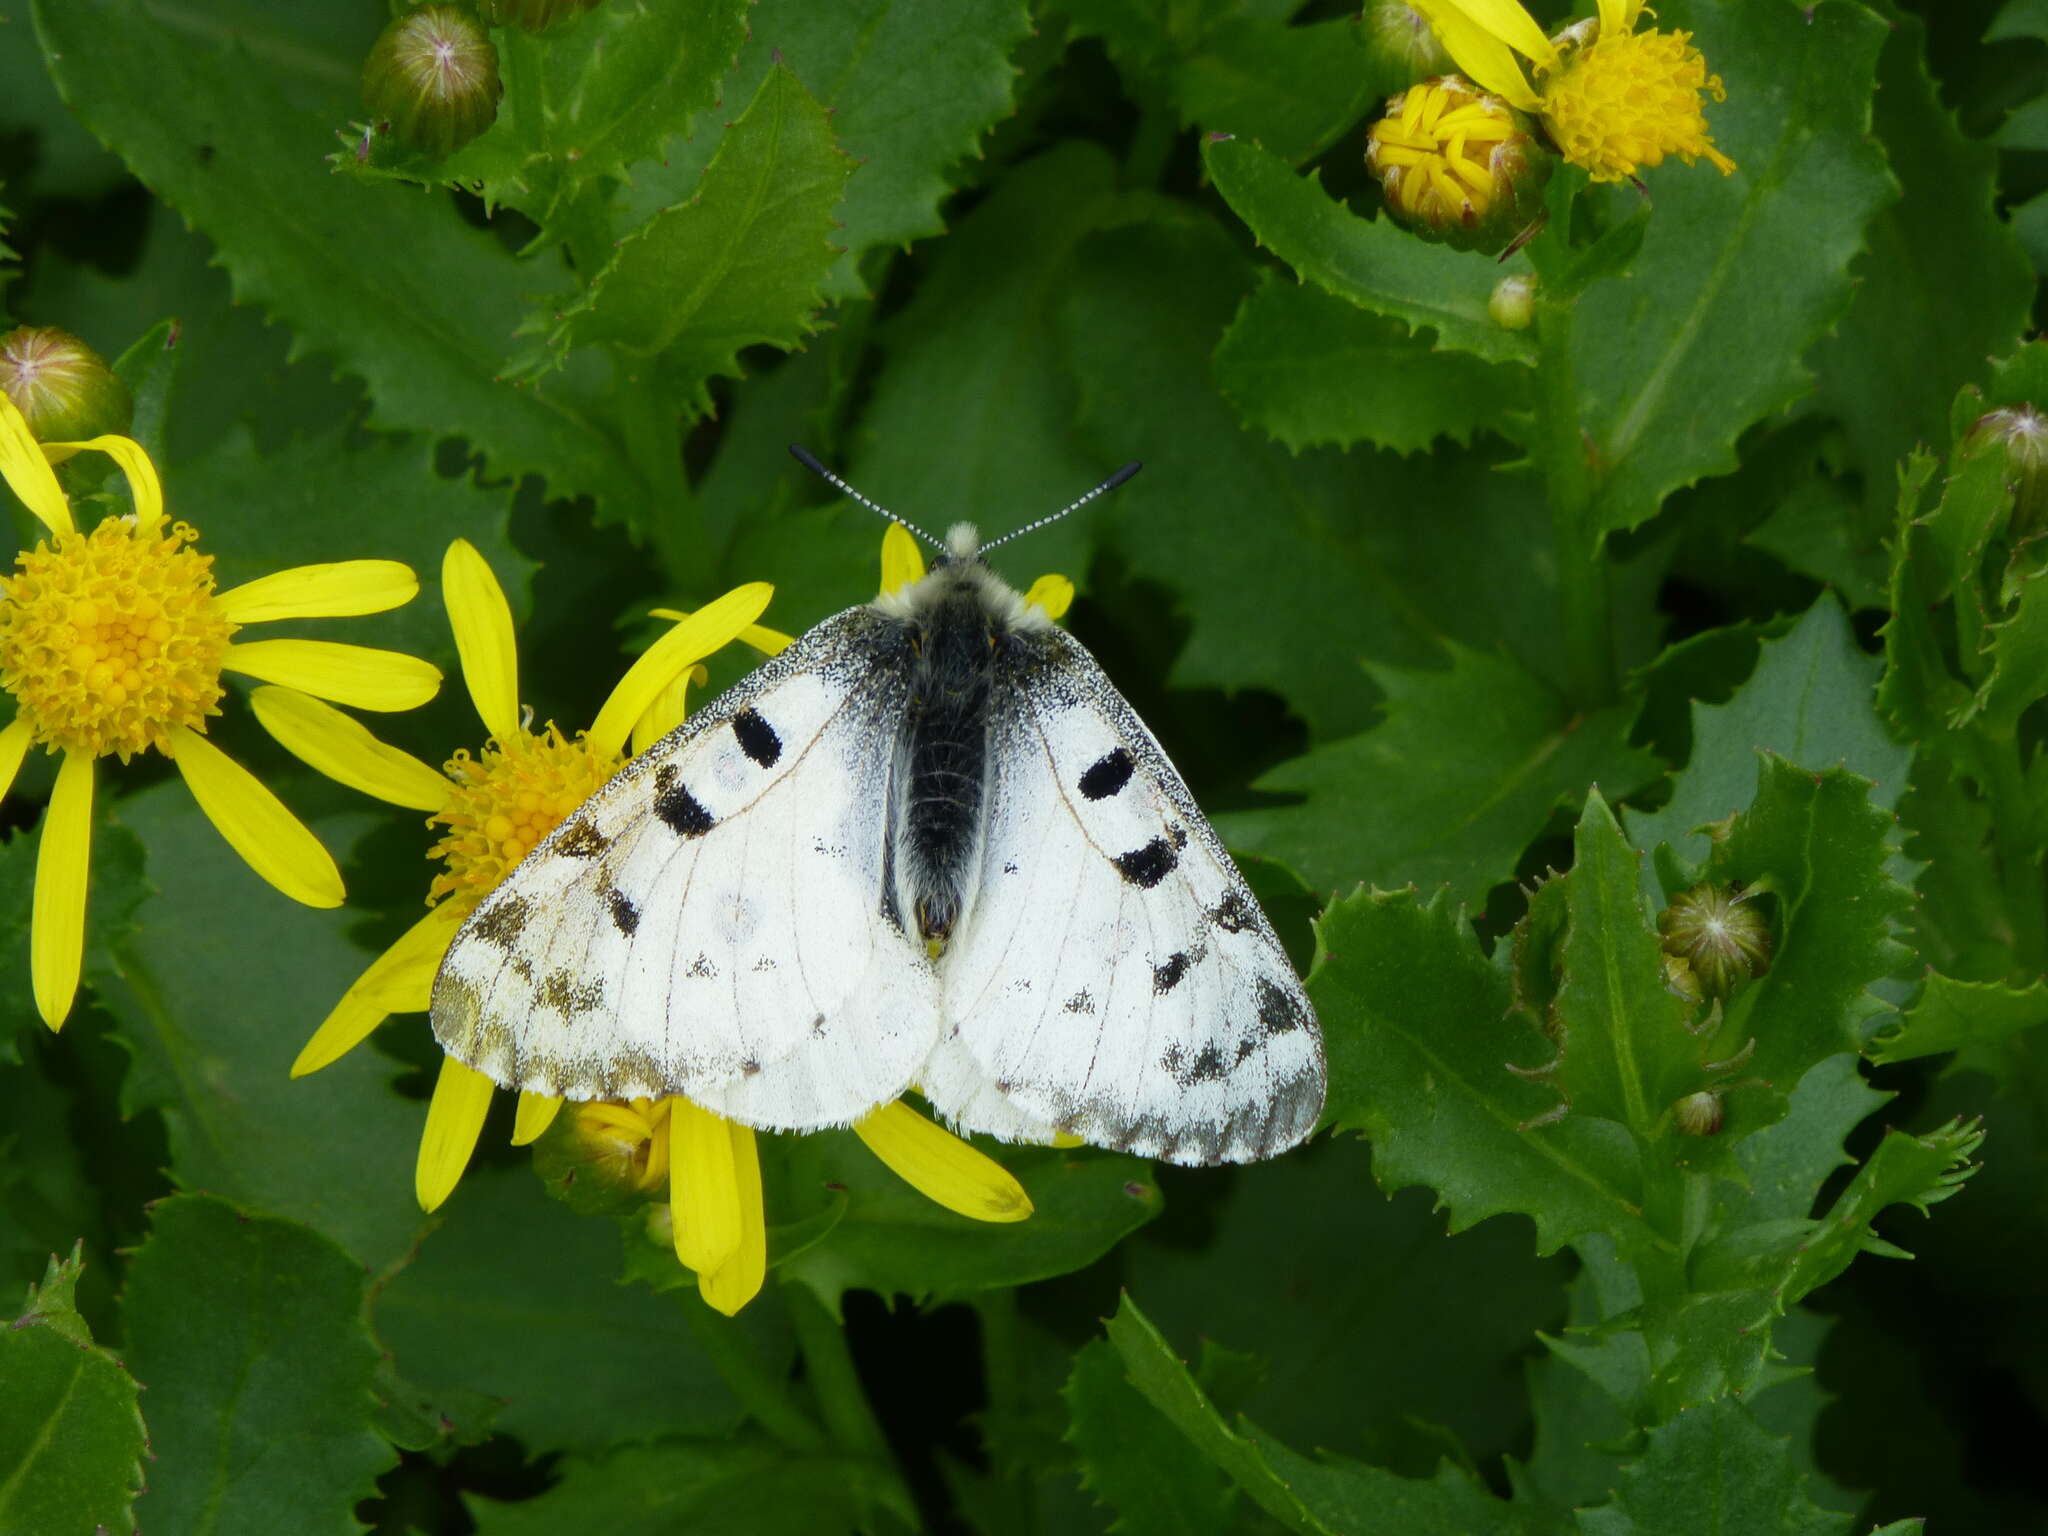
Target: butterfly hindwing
<point x="711" y="921"/>
<point x="1113" y="977"/>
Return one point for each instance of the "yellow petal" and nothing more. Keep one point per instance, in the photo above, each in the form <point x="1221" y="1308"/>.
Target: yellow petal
<point x="714" y="625"/>
<point x="401" y="980"/>
<point x="455" y="1119"/>
<point x="275" y="843"/>
<point x="902" y="560"/>
<point x="1054" y="595"/>
<point x="143" y="486"/>
<point x="323" y="738"/>
<point x="359" y="675"/>
<point x="28" y="473"/>
<point x="1616" y="15"/>
<point x="536" y="1113"/>
<point x="942" y="1167"/>
<point x="63" y="858"/>
<point x="340" y="590"/>
<point x="668" y="709"/>
<point x="1481" y="54"/>
<point x="769" y="642"/>
<point x="14" y="744"/>
<point x="738" y="1280"/>
<point x="482" y="622"/>
<point x="703" y="1187"/>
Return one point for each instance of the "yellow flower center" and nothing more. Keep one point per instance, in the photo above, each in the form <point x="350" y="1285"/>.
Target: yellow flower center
<point x="628" y="1142"/>
<point x="1628" y="99"/>
<point x="506" y="800"/>
<point x="1434" y="151"/>
<point x="113" y="639"/>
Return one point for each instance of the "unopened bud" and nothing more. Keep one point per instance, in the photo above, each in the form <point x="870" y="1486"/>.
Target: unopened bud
<point x="2022" y="433"/>
<point x="1457" y="164"/>
<point x="1679" y="979"/>
<point x="531" y="15"/>
<point x="1513" y="301"/>
<point x="1698" y="1114"/>
<point x="1401" y="38"/>
<point x="64" y="388"/>
<point x="433" y="75"/>
<point x="1725" y="941"/>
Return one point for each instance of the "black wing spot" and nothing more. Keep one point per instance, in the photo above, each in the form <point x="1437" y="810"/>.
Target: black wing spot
<point x="757" y="737"/>
<point x="664" y="777"/>
<point x="818" y="1027"/>
<point x="750" y="1066"/>
<point x="680" y="810"/>
<point x="1081" y="1002"/>
<point x="1168" y="976"/>
<point x="502" y="922"/>
<point x="1233" y="914"/>
<point x="1147" y="866"/>
<point x="1280" y="1011"/>
<point x="625" y="916"/>
<point x="1206" y="1067"/>
<point x="570" y="995"/>
<point x="580" y="839"/>
<point x="702" y="968"/>
<point x="1179" y="834"/>
<point x="1106" y="775"/>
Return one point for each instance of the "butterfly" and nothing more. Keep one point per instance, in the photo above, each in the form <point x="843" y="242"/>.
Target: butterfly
<point x="928" y="845"/>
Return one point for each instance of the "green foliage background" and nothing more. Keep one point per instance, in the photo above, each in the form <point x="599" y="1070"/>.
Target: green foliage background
<point x="1465" y="636"/>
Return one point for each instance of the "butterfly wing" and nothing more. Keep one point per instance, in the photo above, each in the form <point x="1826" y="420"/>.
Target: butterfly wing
<point x="1113" y="977"/>
<point x="713" y="921"/>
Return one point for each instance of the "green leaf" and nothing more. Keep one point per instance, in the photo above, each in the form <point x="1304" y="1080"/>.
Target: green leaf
<point x="215" y="990"/>
<point x="516" y="1296"/>
<point x="71" y="1438"/>
<point x="582" y="104"/>
<point x="1449" y="788"/>
<point x="748" y="1486"/>
<point x="1316" y="1498"/>
<point x="1307" y="368"/>
<point x="1372" y="263"/>
<point x="1737" y="275"/>
<point x="1134" y="1462"/>
<point x="1810" y="701"/>
<point x="738" y="264"/>
<point x="248" y="1333"/>
<point x="1953" y="1015"/>
<point x="1422" y="1042"/>
<point x="1713" y="1471"/>
<point x="1959" y="923"/>
<point x="382" y="280"/>
<point x="1941" y="286"/>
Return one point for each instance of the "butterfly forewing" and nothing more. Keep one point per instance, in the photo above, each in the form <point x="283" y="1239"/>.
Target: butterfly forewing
<point x="712" y="922"/>
<point x="1113" y="976"/>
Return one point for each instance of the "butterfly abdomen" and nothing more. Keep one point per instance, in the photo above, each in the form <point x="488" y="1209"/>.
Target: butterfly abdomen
<point x="943" y="757"/>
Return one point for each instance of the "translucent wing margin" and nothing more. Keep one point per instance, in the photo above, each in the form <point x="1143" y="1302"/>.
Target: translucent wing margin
<point x="1114" y="977"/>
<point x="711" y="922"/>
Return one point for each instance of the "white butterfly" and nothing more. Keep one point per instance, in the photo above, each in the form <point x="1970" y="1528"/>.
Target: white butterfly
<point x="928" y="845"/>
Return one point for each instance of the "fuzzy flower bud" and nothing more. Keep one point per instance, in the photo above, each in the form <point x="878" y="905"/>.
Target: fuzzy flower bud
<point x="1512" y="304"/>
<point x="1458" y="165"/>
<point x="433" y="75"/>
<point x="1698" y="1114"/>
<point x="531" y="15"/>
<point x="2021" y="432"/>
<point x="1725" y="941"/>
<point x="1400" y="37"/>
<point x="61" y="386"/>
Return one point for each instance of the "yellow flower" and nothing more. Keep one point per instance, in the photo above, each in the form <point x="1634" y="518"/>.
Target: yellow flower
<point x="1612" y="99"/>
<point x="1458" y="164"/>
<point x="494" y="808"/>
<point x="113" y="641"/>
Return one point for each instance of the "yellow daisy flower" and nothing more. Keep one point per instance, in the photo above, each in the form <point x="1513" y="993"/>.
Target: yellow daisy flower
<point x="494" y="809"/>
<point x="113" y="641"/>
<point x="1612" y="99"/>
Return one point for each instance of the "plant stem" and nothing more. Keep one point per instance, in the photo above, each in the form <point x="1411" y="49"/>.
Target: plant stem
<point x="764" y="1398"/>
<point x="652" y="435"/>
<point x="829" y="1368"/>
<point x="1586" y="603"/>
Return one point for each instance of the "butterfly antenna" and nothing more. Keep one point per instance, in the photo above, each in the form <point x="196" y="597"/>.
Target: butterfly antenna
<point x="809" y="460"/>
<point x="1103" y="489"/>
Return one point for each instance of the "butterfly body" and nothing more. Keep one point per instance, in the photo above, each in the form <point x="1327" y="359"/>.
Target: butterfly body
<point x="929" y="844"/>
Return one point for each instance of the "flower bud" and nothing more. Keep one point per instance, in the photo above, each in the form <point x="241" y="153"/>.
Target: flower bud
<point x="605" y="1156"/>
<point x="1698" y="1114"/>
<point x="1458" y="165"/>
<point x="2021" y="432"/>
<point x="1724" y="941"/>
<point x="1400" y="38"/>
<point x="1679" y="979"/>
<point x="64" y="388"/>
<point x="1513" y="301"/>
<point x="433" y="75"/>
<point x="531" y="15"/>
